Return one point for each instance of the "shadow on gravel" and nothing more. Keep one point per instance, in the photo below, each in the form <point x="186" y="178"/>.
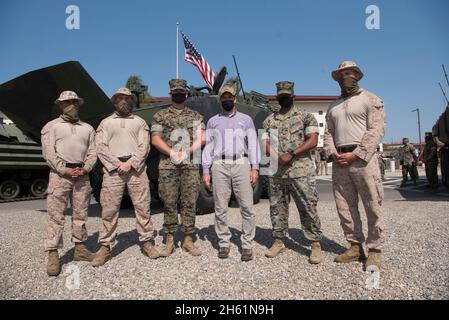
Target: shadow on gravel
<point x="419" y="194"/>
<point x="91" y="244"/>
<point x="299" y="242"/>
<point x="210" y="235"/>
<point x="125" y="240"/>
<point x="264" y="237"/>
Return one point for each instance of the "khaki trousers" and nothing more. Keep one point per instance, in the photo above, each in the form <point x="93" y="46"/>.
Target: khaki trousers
<point x="360" y="178"/>
<point x="60" y="189"/>
<point x="111" y="197"/>
<point x="228" y="176"/>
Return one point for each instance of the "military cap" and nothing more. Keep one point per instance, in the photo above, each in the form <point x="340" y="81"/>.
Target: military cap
<point x="347" y="65"/>
<point x="226" y="88"/>
<point x="177" y="85"/>
<point x="69" y="95"/>
<point x="126" y="92"/>
<point x="285" y="87"/>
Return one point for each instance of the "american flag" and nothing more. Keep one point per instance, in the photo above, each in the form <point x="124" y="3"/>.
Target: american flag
<point x="194" y="57"/>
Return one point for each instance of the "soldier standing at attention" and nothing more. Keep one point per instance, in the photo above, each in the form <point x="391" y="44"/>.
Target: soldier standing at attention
<point x="123" y="144"/>
<point x="323" y="162"/>
<point x="430" y="159"/>
<point x="231" y="139"/>
<point x="409" y="162"/>
<point x="68" y="146"/>
<point x="355" y="127"/>
<point x="179" y="179"/>
<point x="297" y="135"/>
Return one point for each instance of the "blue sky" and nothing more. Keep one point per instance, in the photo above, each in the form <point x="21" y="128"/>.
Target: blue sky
<point x="301" y="41"/>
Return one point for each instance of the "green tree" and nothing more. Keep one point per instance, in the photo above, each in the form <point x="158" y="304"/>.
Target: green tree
<point x="136" y="84"/>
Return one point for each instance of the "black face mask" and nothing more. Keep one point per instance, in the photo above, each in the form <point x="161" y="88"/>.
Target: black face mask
<point x="285" y="101"/>
<point x="227" y="105"/>
<point x="178" y="97"/>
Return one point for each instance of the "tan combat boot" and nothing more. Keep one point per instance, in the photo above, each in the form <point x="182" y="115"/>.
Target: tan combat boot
<point x="277" y="248"/>
<point x="149" y="250"/>
<point x="355" y="253"/>
<point x="374" y="259"/>
<point x="82" y="253"/>
<point x="189" y="246"/>
<point x="316" y="255"/>
<point x="102" y="256"/>
<point x="169" y="246"/>
<point x="53" y="266"/>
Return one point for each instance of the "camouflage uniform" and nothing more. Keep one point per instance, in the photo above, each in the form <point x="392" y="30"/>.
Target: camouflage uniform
<point x="430" y="157"/>
<point x="178" y="182"/>
<point x="119" y="136"/>
<point x="298" y="177"/>
<point x="408" y="163"/>
<point x="357" y="120"/>
<point x="66" y="143"/>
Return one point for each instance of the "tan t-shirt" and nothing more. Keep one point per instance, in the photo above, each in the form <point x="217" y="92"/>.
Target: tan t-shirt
<point x="64" y="142"/>
<point x="358" y="120"/>
<point x="118" y="136"/>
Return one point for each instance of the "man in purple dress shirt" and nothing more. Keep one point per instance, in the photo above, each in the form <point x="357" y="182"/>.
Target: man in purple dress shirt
<point x="231" y="160"/>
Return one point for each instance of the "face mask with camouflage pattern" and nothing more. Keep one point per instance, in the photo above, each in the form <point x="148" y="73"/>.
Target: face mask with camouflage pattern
<point x="123" y="108"/>
<point x="70" y="113"/>
<point x="349" y="86"/>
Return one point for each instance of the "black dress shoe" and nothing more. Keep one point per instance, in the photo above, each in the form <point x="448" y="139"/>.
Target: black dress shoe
<point x="247" y="255"/>
<point x="223" y="252"/>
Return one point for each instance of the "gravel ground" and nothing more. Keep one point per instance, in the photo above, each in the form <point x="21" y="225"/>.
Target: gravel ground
<point x="416" y="261"/>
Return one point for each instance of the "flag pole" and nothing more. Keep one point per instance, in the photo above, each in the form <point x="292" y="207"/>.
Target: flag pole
<point x="177" y="50"/>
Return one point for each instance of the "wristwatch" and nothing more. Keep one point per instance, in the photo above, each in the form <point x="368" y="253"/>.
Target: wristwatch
<point x="292" y="153"/>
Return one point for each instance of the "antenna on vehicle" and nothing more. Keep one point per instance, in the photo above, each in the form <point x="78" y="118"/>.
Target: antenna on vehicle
<point x="445" y="75"/>
<point x="238" y="75"/>
<point x="444" y="94"/>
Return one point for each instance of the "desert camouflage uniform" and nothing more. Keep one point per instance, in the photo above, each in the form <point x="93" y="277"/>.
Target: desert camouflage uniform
<point x="64" y="142"/>
<point x="117" y="137"/>
<point x="178" y="183"/>
<point x="358" y="120"/>
<point x="408" y="166"/>
<point x="297" y="178"/>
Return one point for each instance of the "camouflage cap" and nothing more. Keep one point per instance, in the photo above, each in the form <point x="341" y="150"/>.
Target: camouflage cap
<point x="347" y="65"/>
<point x="69" y="95"/>
<point x="285" y="87"/>
<point x="226" y="88"/>
<point x="177" y="85"/>
<point x="126" y="92"/>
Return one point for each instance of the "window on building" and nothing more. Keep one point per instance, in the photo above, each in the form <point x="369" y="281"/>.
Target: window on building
<point x="321" y="125"/>
<point x="320" y="112"/>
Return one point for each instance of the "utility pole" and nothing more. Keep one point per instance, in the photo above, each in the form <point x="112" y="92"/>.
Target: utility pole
<point x="419" y="124"/>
